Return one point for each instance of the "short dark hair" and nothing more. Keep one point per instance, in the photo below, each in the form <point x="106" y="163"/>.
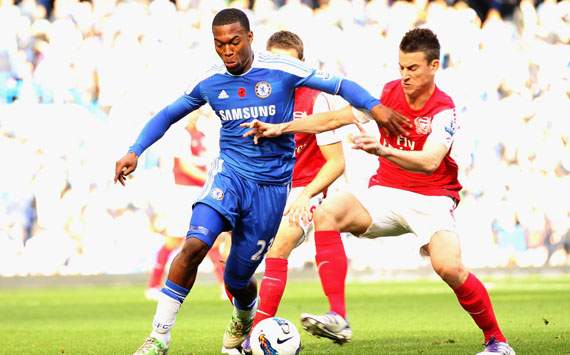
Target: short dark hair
<point x="286" y="40"/>
<point x="421" y="40"/>
<point x="229" y="16"/>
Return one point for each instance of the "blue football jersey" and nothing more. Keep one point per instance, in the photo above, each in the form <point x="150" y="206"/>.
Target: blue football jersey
<point x="265" y="92"/>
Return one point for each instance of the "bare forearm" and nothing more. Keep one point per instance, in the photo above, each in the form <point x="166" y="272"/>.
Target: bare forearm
<point x="416" y="161"/>
<point x="329" y="172"/>
<point x="320" y="122"/>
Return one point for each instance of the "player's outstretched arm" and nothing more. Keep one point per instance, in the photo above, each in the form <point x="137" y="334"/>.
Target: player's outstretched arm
<point x="392" y="122"/>
<point x="316" y="123"/>
<point x="153" y="131"/>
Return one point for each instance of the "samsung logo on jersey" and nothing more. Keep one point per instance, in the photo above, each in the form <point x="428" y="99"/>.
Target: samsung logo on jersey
<point x="247" y="112"/>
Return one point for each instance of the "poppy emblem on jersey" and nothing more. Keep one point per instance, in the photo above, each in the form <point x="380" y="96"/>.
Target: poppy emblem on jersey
<point x="423" y="125"/>
<point x="217" y="194"/>
<point x="262" y="89"/>
<point x="241" y="92"/>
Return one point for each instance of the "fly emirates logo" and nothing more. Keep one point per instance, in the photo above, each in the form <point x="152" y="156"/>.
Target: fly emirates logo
<point x="401" y="143"/>
<point x="244" y="113"/>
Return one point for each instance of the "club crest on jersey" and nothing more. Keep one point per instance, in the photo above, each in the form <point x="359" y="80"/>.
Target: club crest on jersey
<point x="423" y="125"/>
<point x="217" y="194"/>
<point x="263" y="89"/>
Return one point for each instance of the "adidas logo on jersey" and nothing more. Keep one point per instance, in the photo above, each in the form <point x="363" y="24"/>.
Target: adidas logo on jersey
<point x="223" y="95"/>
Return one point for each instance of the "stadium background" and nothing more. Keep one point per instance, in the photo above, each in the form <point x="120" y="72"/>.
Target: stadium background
<point x="77" y="82"/>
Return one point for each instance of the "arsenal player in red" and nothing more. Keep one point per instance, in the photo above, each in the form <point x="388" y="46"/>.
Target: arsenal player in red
<point x="415" y="190"/>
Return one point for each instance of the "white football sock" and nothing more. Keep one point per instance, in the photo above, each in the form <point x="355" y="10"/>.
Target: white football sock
<point x="164" y="318"/>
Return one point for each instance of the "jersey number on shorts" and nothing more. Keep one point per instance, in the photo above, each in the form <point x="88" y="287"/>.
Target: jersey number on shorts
<point x="263" y="249"/>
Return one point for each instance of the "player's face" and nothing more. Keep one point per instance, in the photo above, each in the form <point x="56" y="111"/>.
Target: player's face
<point x="233" y="45"/>
<point x="418" y="76"/>
<point x="285" y="51"/>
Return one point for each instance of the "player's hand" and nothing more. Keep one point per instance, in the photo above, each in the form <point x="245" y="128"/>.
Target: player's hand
<point x="391" y="121"/>
<point x="298" y="211"/>
<point x="125" y="166"/>
<point x="366" y="142"/>
<point x="260" y="129"/>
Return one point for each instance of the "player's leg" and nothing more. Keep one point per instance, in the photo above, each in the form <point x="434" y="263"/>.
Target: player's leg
<point x="242" y="290"/>
<point x="274" y="280"/>
<point x="206" y="224"/>
<point x="445" y="253"/>
<point x="250" y="242"/>
<point x="275" y="276"/>
<point x="289" y="236"/>
<point x="342" y="212"/>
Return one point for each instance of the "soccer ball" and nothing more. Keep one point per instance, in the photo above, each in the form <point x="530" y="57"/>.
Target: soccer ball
<point x="275" y="336"/>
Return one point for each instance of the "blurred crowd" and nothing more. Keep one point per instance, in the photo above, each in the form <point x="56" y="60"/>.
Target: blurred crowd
<point x="78" y="79"/>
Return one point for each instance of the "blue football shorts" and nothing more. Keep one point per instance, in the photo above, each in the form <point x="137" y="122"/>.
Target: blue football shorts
<point x="250" y="209"/>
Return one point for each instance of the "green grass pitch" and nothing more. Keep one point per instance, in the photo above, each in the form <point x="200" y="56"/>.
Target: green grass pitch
<point x="407" y="317"/>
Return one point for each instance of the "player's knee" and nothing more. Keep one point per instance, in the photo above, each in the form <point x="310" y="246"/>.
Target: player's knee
<point x="284" y="243"/>
<point x="325" y="216"/>
<point x="281" y="250"/>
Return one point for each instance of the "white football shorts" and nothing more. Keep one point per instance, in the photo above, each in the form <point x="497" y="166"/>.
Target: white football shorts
<point x="395" y="212"/>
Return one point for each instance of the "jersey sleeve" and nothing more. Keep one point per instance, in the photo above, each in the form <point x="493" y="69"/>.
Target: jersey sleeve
<point x="325" y="103"/>
<point x="444" y="127"/>
<point x="322" y="81"/>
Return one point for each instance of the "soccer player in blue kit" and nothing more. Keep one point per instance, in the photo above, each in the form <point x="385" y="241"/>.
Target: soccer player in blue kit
<point x="248" y="184"/>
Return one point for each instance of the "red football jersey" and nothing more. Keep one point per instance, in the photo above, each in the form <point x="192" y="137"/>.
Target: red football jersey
<point x="443" y="181"/>
<point x="309" y="158"/>
<point x="196" y="149"/>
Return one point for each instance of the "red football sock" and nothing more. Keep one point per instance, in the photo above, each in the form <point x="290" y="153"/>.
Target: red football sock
<point x="473" y="297"/>
<point x="332" y="265"/>
<point x="271" y="289"/>
<point x="216" y="257"/>
<point x="158" y="269"/>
